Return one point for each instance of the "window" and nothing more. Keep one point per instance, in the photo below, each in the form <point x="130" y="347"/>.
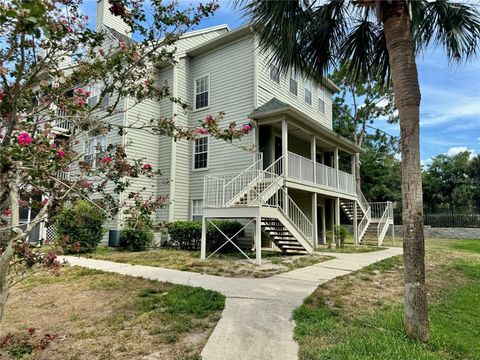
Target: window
<point x="200" y="158"/>
<point x="94" y="98"/>
<point x="275" y="73"/>
<point x="308" y="92"/>
<point x="321" y="100"/>
<point x="95" y="149"/>
<point x="197" y="210"/>
<point x="293" y="82"/>
<point x="202" y="86"/>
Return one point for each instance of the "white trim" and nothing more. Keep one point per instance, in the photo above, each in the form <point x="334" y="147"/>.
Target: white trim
<point x="173" y="149"/>
<point x="209" y="91"/>
<point x="208" y="154"/>
<point x="205" y="31"/>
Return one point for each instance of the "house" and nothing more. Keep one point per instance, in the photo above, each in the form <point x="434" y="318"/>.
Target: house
<point x="291" y="190"/>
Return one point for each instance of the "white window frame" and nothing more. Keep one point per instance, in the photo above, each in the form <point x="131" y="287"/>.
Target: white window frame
<point x="194" y="208"/>
<point x="195" y="153"/>
<point x="195" y="92"/>
<point x="293" y="77"/>
<point x="307" y="90"/>
<point x="321" y="100"/>
<point x="274" y="67"/>
<point x="91" y="153"/>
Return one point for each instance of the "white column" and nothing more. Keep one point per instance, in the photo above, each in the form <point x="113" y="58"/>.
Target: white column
<point x="258" y="240"/>
<point x="355" y="224"/>
<point x="256" y="129"/>
<point x="335" y="163"/>
<point x="324" y="224"/>
<point x="353" y="164"/>
<point x="313" y="156"/>
<point x="203" y="244"/>
<point x="337" y="211"/>
<point x="285" y="159"/>
<point x="314" y="220"/>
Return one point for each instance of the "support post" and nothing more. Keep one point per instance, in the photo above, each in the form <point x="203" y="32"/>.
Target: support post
<point x="285" y="160"/>
<point x="324" y="224"/>
<point x="335" y="161"/>
<point x="355" y="224"/>
<point x="337" y="216"/>
<point x="203" y="244"/>
<point x="314" y="220"/>
<point x="353" y="157"/>
<point x="258" y="240"/>
<point x="313" y="156"/>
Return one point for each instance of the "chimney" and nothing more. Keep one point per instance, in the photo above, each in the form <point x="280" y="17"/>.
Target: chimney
<point x="105" y="17"/>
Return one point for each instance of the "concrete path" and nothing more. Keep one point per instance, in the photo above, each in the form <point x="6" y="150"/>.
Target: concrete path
<point x="256" y="322"/>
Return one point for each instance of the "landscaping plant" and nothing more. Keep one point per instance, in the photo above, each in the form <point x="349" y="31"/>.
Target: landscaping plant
<point x="79" y="227"/>
<point x="37" y="92"/>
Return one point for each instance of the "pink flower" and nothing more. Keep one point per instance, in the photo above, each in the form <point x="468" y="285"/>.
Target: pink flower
<point x="209" y="120"/>
<point x="31" y="330"/>
<point x="2" y="94"/>
<point x="86" y="17"/>
<point x="53" y="135"/>
<point x="102" y="52"/>
<point x="61" y="153"/>
<point x="201" y="131"/>
<point x="145" y="204"/>
<point x="106" y="160"/>
<point x="24" y="139"/>
<point x="147" y="167"/>
<point x="45" y="201"/>
<point x="79" y="91"/>
<point x="53" y="145"/>
<point x="246" y="128"/>
<point x="7" y="212"/>
<point x="79" y="101"/>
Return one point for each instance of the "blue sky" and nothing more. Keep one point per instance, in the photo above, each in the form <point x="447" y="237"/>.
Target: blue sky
<point x="450" y="109"/>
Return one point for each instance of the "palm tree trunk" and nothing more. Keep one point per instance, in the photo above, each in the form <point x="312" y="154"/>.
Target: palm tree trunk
<point x="407" y="97"/>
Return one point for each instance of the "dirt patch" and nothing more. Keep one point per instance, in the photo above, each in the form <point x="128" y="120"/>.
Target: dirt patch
<point x="95" y="315"/>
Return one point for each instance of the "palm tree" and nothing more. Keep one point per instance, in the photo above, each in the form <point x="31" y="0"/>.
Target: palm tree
<point x="376" y="38"/>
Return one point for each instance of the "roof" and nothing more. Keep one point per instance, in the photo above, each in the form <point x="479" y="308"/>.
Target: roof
<point x="277" y="107"/>
<point x="126" y="39"/>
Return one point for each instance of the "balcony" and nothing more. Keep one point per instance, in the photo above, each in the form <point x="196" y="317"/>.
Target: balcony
<point x="61" y="123"/>
<point x="308" y="171"/>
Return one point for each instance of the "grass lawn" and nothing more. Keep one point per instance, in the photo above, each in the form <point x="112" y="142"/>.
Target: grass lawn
<point x="89" y="314"/>
<point x="232" y="265"/>
<point x="359" y="316"/>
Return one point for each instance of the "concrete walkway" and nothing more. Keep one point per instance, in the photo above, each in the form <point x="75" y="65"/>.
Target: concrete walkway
<point x="256" y="322"/>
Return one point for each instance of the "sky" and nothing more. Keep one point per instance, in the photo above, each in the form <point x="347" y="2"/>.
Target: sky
<point x="450" y="107"/>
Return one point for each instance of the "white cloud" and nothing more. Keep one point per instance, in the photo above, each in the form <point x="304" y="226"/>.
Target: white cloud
<point x="426" y="162"/>
<point x="458" y="149"/>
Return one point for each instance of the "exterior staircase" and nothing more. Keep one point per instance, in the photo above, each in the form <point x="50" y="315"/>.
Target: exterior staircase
<point x="281" y="236"/>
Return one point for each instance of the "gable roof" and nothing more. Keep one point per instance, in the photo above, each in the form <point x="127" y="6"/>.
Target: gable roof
<point x="277" y="107"/>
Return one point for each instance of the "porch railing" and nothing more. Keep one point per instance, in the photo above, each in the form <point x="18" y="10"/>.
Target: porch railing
<point x="305" y="169"/>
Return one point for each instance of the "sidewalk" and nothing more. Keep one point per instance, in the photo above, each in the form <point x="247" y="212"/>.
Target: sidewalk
<point x="256" y="322"/>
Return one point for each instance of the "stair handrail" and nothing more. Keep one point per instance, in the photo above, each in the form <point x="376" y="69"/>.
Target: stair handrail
<point x="242" y="181"/>
<point x="383" y="224"/>
<point x="274" y="171"/>
<point x="362" y="200"/>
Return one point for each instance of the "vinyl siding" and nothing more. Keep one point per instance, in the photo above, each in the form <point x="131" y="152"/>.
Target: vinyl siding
<point x="231" y="70"/>
<point x="267" y="89"/>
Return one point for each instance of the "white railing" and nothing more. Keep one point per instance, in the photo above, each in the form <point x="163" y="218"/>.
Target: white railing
<point x="378" y="209"/>
<point x="367" y="213"/>
<point x="305" y="169"/>
<point x="385" y="221"/>
<point x="291" y="211"/>
<point x="213" y="194"/>
<point x="61" y="120"/>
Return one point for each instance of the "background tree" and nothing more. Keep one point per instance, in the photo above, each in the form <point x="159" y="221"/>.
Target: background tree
<point x="37" y="36"/>
<point x="359" y="103"/>
<point x="379" y="39"/>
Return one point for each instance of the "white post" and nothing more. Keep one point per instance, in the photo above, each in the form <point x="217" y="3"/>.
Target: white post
<point x="337" y="214"/>
<point x="285" y="160"/>
<point x="313" y="156"/>
<point x="258" y="240"/>
<point x="203" y="244"/>
<point x="355" y="224"/>
<point x="335" y="164"/>
<point x="353" y="165"/>
<point x="314" y="220"/>
<point x="324" y="224"/>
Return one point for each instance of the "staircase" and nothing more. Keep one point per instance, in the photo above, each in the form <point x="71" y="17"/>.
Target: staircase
<point x="281" y="236"/>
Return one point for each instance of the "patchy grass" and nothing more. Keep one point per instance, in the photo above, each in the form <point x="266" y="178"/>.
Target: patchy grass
<point x="90" y="314"/>
<point x="359" y="316"/>
<point x="231" y="265"/>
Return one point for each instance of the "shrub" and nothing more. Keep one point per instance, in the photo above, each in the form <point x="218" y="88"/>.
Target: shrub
<point x="187" y="234"/>
<point x="341" y="233"/>
<point x="79" y="227"/>
<point x="136" y="239"/>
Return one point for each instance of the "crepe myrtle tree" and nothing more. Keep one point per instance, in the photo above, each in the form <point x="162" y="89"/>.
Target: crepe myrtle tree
<point x="37" y="92"/>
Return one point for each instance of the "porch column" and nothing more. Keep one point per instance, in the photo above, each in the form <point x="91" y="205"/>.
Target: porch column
<point x="285" y="160"/>
<point x="203" y="244"/>
<point x="337" y="212"/>
<point x="355" y="224"/>
<point x="285" y="146"/>
<point x="258" y="240"/>
<point x="335" y="161"/>
<point x="332" y="216"/>
<point x="313" y="156"/>
<point x="324" y="224"/>
<point x="314" y="220"/>
<point x="256" y="155"/>
<point x="353" y="164"/>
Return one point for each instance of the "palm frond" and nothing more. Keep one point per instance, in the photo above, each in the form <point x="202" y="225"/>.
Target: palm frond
<point x="453" y="25"/>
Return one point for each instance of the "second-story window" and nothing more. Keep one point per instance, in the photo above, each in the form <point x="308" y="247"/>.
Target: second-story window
<point x="308" y="92"/>
<point x="275" y="73"/>
<point x="200" y="154"/>
<point x="95" y="150"/>
<point x="202" y="86"/>
<point x="321" y="100"/>
<point x="293" y="82"/>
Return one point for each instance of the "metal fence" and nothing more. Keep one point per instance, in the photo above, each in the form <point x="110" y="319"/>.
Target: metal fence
<point x="447" y="220"/>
